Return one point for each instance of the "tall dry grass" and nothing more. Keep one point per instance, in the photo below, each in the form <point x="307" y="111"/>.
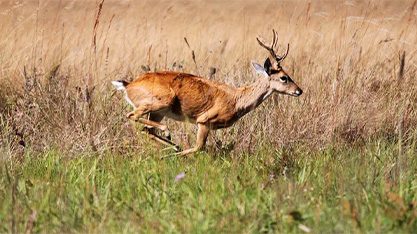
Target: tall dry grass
<point x="355" y="60"/>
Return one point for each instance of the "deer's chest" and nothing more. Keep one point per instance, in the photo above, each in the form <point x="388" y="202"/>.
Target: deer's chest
<point x="223" y="119"/>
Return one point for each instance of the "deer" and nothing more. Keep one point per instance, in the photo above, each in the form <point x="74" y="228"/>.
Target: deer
<point x="209" y="104"/>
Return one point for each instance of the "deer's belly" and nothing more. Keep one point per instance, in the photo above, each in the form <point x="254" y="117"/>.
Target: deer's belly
<point x="214" y="123"/>
<point x="215" y="119"/>
<point x="222" y="124"/>
<point x="178" y="117"/>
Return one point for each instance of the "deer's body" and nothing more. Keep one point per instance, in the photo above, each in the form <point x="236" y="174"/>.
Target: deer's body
<point x="185" y="97"/>
<point x="209" y="104"/>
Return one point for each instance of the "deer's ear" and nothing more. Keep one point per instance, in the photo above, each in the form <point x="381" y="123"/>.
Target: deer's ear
<point x="259" y="69"/>
<point x="268" y="65"/>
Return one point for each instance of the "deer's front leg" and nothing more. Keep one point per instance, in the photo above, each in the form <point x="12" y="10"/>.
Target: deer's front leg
<point x="202" y="133"/>
<point x="208" y="115"/>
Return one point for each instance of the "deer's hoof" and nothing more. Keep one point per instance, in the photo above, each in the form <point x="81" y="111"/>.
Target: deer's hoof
<point x="129" y="115"/>
<point x="177" y="148"/>
<point x="132" y="116"/>
<point x="167" y="135"/>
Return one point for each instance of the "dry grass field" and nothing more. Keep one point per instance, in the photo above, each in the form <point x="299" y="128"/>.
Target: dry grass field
<point x="340" y="158"/>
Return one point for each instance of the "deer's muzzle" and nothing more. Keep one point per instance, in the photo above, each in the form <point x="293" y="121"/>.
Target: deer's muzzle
<point x="298" y="92"/>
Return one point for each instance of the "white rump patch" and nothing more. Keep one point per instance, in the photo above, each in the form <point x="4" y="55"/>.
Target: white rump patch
<point x="119" y="85"/>
<point x="129" y="101"/>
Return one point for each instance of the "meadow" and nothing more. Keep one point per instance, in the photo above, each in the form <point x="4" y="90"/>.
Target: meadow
<point x="341" y="158"/>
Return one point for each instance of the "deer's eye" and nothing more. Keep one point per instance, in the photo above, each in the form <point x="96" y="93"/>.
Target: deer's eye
<point x="284" y="79"/>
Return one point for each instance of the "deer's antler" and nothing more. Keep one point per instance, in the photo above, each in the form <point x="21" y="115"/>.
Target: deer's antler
<point x="273" y="45"/>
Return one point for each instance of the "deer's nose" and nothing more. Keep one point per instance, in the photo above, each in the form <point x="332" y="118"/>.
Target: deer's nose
<point x="298" y="92"/>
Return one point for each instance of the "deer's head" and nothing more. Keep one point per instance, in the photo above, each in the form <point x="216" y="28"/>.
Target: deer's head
<point x="279" y="80"/>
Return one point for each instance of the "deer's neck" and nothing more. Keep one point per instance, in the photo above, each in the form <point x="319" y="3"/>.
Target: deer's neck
<point x="250" y="97"/>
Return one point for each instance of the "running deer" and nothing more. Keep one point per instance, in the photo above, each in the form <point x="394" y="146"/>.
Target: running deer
<point x="209" y="104"/>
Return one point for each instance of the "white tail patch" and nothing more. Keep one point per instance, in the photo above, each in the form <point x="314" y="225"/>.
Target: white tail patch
<point x="121" y="85"/>
<point x="118" y="84"/>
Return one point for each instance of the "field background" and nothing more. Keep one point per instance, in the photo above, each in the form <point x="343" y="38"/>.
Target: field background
<point x="340" y="158"/>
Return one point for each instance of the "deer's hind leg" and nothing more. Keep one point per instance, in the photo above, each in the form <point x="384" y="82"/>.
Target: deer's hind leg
<point x="156" y="117"/>
<point x="152" y="123"/>
<point x="140" y="111"/>
<point x="202" y="134"/>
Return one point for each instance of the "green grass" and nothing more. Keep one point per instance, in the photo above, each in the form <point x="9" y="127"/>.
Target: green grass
<point x="336" y="189"/>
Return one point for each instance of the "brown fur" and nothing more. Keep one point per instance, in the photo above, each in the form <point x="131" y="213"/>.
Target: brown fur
<point x="185" y="97"/>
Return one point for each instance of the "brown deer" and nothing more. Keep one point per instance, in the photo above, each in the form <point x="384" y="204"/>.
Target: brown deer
<point x="209" y="104"/>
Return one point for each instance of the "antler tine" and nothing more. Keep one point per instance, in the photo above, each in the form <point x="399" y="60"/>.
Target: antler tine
<point x="262" y="44"/>
<point x="270" y="49"/>
<point x="286" y="53"/>
<point x="275" y="39"/>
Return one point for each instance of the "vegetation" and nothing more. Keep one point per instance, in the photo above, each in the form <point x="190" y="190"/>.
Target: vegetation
<point x="331" y="190"/>
<point x="340" y="158"/>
